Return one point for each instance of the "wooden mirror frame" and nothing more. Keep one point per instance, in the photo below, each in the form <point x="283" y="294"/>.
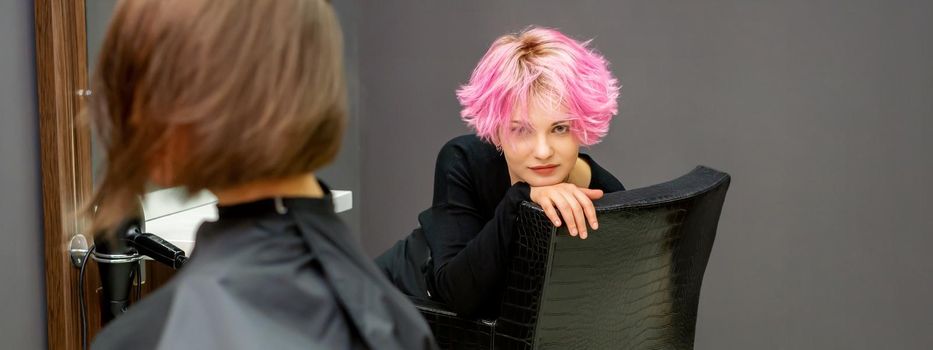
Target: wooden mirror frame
<point x="66" y="165"/>
<point x="65" y="161"/>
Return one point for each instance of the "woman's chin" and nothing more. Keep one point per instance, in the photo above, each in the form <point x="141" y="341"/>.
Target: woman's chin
<point x="541" y="181"/>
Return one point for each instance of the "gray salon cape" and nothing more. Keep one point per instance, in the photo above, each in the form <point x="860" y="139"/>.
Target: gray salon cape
<point x="261" y="279"/>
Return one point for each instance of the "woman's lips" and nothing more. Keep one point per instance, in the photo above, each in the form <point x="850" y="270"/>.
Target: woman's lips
<point x="544" y="170"/>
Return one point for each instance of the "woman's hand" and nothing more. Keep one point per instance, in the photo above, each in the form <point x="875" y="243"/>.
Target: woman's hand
<point x="574" y="203"/>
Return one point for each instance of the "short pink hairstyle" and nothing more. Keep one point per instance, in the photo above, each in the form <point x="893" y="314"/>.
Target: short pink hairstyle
<point x="540" y="65"/>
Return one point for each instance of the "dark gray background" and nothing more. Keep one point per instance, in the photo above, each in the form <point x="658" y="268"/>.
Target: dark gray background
<point x="22" y="266"/>
<point x="821" y="110"/>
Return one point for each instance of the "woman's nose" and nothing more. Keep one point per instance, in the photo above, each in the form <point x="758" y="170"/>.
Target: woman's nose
<point x="543" y="148"/>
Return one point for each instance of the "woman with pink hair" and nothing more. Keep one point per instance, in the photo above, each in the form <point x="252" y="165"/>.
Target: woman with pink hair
<point x="534" y="98"/>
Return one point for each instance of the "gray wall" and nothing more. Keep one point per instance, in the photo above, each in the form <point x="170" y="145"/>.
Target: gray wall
<point x="821" y="110"/>
<point x="97" y="17"/>
<point x="21" y="254"/>
<point x="344" y="173"/>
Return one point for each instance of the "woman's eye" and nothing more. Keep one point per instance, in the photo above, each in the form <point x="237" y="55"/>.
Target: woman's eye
<point x="560" y="129"/>
<point x="519" y="130"/>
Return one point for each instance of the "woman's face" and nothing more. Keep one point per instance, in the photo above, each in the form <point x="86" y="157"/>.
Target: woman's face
<point x="540" y="151"/>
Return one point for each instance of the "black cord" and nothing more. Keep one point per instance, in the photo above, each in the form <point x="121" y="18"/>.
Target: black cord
<point x="81" y="301"/>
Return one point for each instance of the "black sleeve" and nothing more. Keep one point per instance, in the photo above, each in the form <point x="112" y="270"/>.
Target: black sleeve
<point x="602" y="179"/>
<point x="470" y="253"/>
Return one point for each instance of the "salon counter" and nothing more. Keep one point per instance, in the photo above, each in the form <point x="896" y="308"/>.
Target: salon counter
<point x="175" y="219"/>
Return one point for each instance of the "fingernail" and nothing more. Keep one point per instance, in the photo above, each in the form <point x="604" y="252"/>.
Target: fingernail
<point x="595" y="225"/>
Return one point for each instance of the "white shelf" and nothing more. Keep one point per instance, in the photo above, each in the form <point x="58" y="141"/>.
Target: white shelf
<point x="176" y="220"/>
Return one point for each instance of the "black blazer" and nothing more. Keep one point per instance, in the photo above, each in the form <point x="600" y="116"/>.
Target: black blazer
<point x="469" y="225"/>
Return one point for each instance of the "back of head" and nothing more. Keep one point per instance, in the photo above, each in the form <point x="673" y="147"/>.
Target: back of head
<point x="215" y="93"/>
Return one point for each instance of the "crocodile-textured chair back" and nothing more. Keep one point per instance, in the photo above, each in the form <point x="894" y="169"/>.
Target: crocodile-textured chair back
<point x="632" y="284"/>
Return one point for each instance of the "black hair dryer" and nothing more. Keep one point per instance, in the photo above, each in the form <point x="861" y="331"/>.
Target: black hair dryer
<point x="118" y="256"/>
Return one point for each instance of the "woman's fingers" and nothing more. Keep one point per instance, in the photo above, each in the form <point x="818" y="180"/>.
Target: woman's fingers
<point x="573" y="204"/>
<point x="579" y="218"/>
<point x="592" y="194"/>
<point x="549" y="210"/>
<point x="588" y="209"/>
<point x="566" y="211"/>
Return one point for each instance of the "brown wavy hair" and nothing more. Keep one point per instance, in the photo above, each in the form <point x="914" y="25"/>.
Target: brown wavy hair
<point x="234" y="90"/>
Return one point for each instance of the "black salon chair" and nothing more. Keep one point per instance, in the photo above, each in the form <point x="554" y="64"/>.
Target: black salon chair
<point x="632" y="284"/>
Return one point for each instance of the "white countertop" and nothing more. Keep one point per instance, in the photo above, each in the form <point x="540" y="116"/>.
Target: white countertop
<point x="176" y="220"/>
